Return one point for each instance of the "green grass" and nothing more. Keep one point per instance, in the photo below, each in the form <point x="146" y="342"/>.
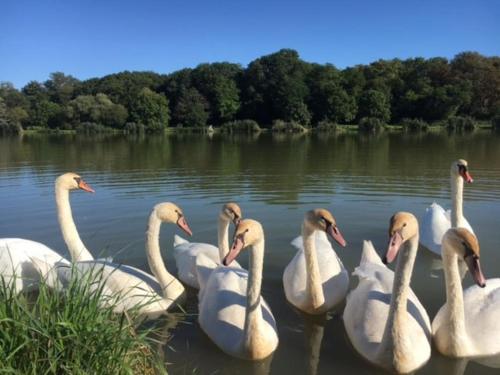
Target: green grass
<point x="70" y="332"/>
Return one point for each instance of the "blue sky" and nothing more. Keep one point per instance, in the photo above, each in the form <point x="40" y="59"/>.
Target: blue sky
<point x="88" y="38"/>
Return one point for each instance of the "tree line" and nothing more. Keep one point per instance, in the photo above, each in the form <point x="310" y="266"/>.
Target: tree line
<point x="276" y="87"/>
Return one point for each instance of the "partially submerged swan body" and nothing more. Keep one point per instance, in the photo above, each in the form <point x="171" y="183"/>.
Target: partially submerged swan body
<point x="231" y="310"/>
<point x="436" y="221"/>
<point x="315" y="280"/>
<point x="129" y="287"/>
<point x="185" y="252"/>
<point x="16" y="254"/>
<point x="467" y="325"/>
<point x="384" y="320"/>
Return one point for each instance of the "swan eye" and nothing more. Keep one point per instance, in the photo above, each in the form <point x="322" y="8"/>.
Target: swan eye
<point x="404" y="225"/>
<point x="77" y="179"/>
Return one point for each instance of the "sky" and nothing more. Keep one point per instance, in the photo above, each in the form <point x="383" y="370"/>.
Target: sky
<point x="89" y="38"/>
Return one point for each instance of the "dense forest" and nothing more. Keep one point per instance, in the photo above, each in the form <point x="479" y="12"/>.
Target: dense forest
<point x="277" y="90"/>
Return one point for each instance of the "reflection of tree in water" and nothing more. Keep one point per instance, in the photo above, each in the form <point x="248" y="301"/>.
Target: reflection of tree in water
<point x="274" y="168"/>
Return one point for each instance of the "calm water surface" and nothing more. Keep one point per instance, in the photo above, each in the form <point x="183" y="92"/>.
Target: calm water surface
<point x="363" y="180"/>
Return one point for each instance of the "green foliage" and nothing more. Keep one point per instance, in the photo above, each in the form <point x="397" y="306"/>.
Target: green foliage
<point x="240" y="126"/>
<point x="281" y="126"/>
<point x="151" y="109"/>
<point x="460" y="123"/>
<point x="413" y="124"/>
<point x="326" y="126"/>
<point x="133" y="128"/>
<point x="6" y="125"/>
<point x="191" y="109"/>
<point x="495" y="122"/>
<point x="374" y="104"/>
<point x="96" y="109"/>
<point x="71" y="332"/>
<point x="371" y="124"/>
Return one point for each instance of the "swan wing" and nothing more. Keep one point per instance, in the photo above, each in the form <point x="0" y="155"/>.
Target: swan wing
<point x="433" y="225"/>
<point x="222" y="311"/>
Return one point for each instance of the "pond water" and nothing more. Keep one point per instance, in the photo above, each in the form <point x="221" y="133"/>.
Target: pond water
<point x="361" y="179"/>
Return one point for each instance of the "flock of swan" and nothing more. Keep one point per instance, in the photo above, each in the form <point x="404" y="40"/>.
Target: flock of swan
<point x="384" y="319"/>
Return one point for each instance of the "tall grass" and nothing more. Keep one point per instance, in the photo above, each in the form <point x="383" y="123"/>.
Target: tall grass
<point x="71" y="332"/>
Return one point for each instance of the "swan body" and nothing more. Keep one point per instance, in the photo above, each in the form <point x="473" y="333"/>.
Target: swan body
<point x="185" y="252"/>
<point x="231" y="310"/>
<point x="436" y="220"/>
<point x="16" y="254"/>
<point x="316" y="263"/>
<point x="127" y="286"/>
<point x="467" y="325"/>
<point x="383" y="318"/>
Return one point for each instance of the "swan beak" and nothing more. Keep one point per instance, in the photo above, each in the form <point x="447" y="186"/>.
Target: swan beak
<point x="85" y="187"/>
<point x="466" y="176"/>
<point x="475" y="270"/>
<point x="182" y="223"/>
<point x="238" y="245"/>
<point x="334" y="233"/>
<point x="394" y="244"/>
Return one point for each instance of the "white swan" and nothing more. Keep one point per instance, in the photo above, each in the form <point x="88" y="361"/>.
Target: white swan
<point x="127" y="286"/>
<point x="384" y="320"/>
<point x="185" y="252"/>
<point x="436" y="221"/>
<point x="231" y="310"/>
<point x="315" y="280"/>
<point x="467" y="325"/>
<point x="16" y="254"/>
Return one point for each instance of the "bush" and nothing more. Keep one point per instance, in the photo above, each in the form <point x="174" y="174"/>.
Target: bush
<point x="240" y="126"/>
<point x="8" y="127"/>
<point x="495" y="122"/>
<point x="371" y="124"/>
<point x="414" y="124"/>
<point x="281" y="126"/>
<point x="91" y="128"/>
<point x="133" y="128"/>
<point x="326" y="126"/>
<point x="460" y="123"/>
<point x="71" y="332"/>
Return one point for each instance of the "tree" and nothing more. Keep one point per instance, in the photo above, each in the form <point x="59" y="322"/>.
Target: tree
<point x="217" y="83"/>
<point x="98" y="109"/>
<point x="374" y="104"/>
<point x="150" y="109"/>
<point x="191" y="109"/>
<point x="60" y="87"/>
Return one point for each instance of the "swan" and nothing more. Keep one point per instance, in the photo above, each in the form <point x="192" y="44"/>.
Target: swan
<point x="384" y="320"/>
<point x="125" y="286"/>
<point x="436" y="221"/>
<point x="185" y="252"/>
<point x="16" y="254"/>
<point x="315" y="280"/>
<point x="467" y="325"/>
<point x="231" y="310"/>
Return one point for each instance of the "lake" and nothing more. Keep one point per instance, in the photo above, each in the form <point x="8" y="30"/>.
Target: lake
<point x="361" y="179"/>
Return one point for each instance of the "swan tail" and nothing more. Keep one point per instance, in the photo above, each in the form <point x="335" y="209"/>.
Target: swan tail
<point x="178" y="240"/>
<point x="369" y="257"/>
<point x="47" y="271"/>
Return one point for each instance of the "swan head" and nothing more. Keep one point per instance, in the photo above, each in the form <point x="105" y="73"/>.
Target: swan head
<point x="323" y="220"/>
<point x="73" y="181"/>
<point x="231" y="212"/>
<point x="247" y="233"/>
<point x="466" y="246"/>
<point x="460" y="168"/>
<point x="171" y="213"/>
<point x="402" y="227"/>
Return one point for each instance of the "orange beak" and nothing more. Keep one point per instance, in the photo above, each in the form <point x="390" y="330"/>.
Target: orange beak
<point x="85" y="187"/>
<point x="182" y="223"/>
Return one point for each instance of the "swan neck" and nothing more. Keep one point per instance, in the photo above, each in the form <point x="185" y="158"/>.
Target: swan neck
<point x="457" y="188"/>
<point x="155" y="261"/>
<point x="253" y="316"/>
<point x="314" y="288"/>
<point x="223" y="234"/>
<point x="454" y="299"/>
<point x="76" y="248"/>
<point x="395" y="342"/>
